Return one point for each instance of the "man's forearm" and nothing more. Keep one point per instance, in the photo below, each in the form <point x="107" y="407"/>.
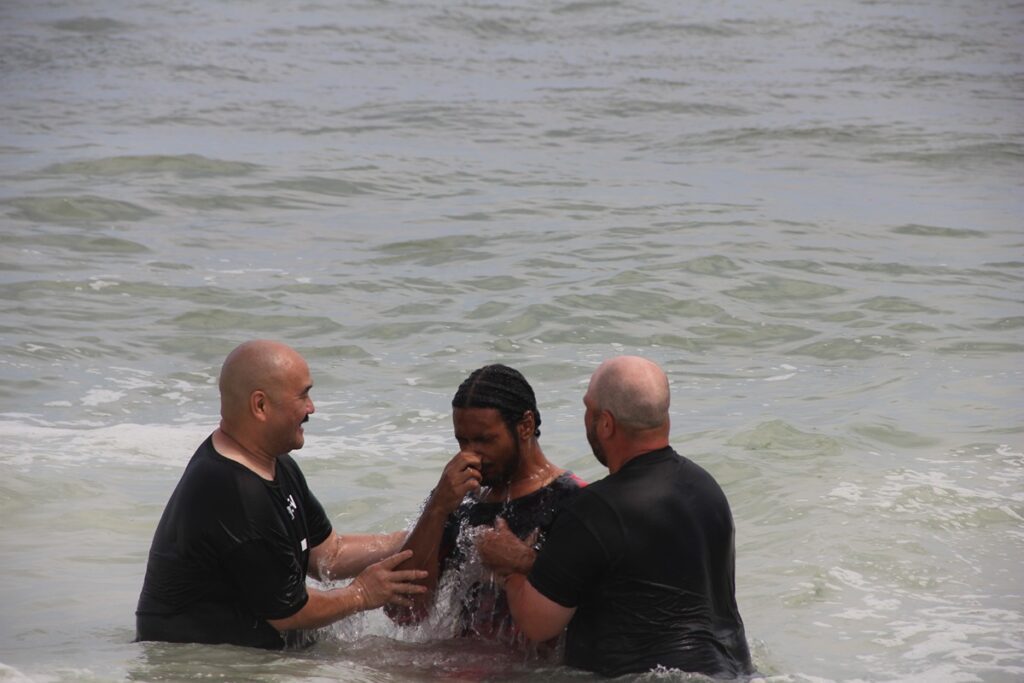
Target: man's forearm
<point x="352" y="553"/>
<point x="425" y="542"/>
<point x="514" y="584"/>
<point x="323" y="608"/>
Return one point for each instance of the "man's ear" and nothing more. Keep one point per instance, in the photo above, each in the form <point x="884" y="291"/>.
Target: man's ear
<point x="526" y="427"/>
<point x="258" y="405"/>
<point x="606" y="424"/>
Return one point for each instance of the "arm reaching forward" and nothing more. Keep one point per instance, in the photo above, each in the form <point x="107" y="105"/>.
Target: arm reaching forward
<point x="342" y="556"/>
<point x="377" y="585"/>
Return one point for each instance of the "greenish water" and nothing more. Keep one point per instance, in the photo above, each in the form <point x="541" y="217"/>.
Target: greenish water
<point x="808" y="214"/>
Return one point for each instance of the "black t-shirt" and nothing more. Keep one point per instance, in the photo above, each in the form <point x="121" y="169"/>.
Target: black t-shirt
<point x="647" y="557"/>
<point x="231" y="551"/>
<point x="483" y="607"/>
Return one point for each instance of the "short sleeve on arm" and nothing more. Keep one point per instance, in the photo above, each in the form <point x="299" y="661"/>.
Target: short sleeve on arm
<point x="272" y="585"/>
<point x="316" y="521"/>
<point x="318" y="525"/>
<point x="572" y="561"/>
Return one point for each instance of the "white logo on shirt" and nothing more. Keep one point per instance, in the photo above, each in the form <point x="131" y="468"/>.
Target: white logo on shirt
<point x="292" y="507"/>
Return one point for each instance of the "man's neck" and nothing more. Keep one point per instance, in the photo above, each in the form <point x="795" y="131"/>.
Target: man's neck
<point x="247" y="454"/>
<point x="534" y="473"/>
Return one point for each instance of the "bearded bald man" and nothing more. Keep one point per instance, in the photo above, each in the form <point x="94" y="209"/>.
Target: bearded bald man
<point x="640" y="565"/>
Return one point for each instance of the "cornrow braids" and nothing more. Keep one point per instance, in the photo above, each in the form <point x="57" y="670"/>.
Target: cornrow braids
<point x="502" y="388"/>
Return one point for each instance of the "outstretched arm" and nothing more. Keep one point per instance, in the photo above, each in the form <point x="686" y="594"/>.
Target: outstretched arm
<point x="342" y="556"/>
<point x="377" y="585"/>
<point x="460" y="476"/>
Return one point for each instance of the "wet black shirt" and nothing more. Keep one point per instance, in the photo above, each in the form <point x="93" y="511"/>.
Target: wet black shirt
<point x="231" y="551"/>
<point x="647" y="557"/>
<point x="484" y="607"/>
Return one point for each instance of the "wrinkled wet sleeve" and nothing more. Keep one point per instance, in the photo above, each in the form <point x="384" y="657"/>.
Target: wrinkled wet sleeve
<point x="318" y="525"/>
<point x="316" y="520"/>
<point x="270" y="583"/>
<point x="572" y="561"/>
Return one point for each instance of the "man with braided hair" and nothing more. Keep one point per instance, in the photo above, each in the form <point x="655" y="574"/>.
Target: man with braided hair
<point x="500" y="477"/>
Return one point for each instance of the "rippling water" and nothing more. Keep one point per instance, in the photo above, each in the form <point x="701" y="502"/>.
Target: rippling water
<point x="808" y="213"/>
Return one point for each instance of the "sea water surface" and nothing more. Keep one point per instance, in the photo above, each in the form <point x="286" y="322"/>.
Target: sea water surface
<point x="809" y="213"/>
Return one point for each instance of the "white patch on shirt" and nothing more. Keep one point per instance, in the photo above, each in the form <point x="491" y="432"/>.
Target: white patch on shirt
<point x="305" y="545"/>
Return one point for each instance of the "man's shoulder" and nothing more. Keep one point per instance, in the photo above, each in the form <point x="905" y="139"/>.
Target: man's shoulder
<point x="598" y="496"/>
<point x="289" y="463"/>
<point x="568" y="481"/>
<point x="217" y="480"/>
<point x="208" y="489"/>
<point x="596" y="490"/>
<point x="697" y="474"/>
<point x="205" y="462"/>
<point x="667" y="473"/>
<point x="560" y="490"/>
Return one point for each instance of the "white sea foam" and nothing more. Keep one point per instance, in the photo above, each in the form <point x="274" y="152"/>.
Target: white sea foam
<point x="9" y="674"/>
<point x="847" y="491"/>
<point x="780" y="378"/>
<point x="97" y="285"/>
<point x="130" y="444"/>
<point x="95" y="397"/>
<point x="22" y="444"/>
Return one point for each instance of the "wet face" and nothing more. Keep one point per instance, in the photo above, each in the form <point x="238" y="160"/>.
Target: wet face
<point x="590" y="417"/>
<point x="484" y="432"/>
<point x="291" y="406"/>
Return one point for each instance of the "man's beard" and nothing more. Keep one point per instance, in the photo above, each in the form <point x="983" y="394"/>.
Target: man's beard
<point x="505" y="474"/>
<point x="596" y="447"/>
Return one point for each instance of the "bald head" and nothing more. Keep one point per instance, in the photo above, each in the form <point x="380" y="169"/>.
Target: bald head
<point x="258" y="365"/>
<point x="634" y="390"/>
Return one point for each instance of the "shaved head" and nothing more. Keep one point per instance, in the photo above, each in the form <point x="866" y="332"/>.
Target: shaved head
<point x="634" y="390"/>
<point x="257" y="365"/>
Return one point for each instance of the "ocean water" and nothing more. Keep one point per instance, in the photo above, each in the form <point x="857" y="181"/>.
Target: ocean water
<point x="810" y="214"/>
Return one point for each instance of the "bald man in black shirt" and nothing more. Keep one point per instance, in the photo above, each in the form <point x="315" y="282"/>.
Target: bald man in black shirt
<point x="230" y="555"/>
<point x="640" y="565"/>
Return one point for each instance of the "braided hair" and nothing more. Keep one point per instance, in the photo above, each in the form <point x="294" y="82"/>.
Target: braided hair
<point x="502" y="388"/>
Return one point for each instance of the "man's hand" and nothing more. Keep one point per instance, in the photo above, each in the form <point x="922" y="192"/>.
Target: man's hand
<point x="505" y="553"/>
<point x="460" y="476"/>
<point x="380" y="584"/>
